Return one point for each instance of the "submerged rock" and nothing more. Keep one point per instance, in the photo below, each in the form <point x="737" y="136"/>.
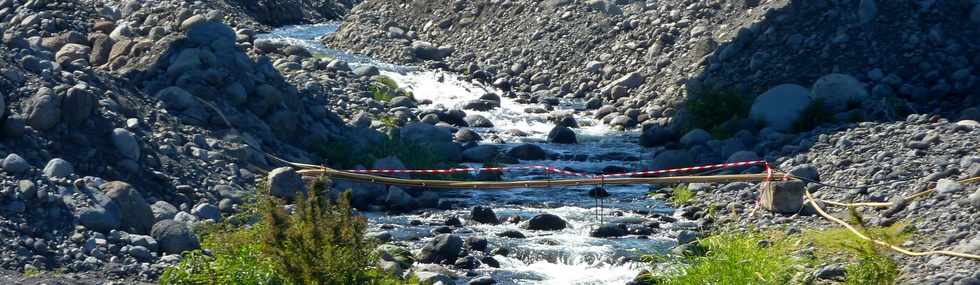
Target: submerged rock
<point x="546" y="222"/>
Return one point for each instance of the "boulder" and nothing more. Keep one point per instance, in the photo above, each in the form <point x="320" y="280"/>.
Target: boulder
<point x="206" y="211"/>
<point x="656" y="135"/>
<point x="71" y="52"/>
<point x="366" y="71"/>
<point x="695" y="137"/>
<point x="628" y="81"/>
<point x="15" y="164"/>
<point x="481" y="153"/>
<point x="126" y="143"/>
<point x="390" y="162"/>
<point x="781" y="106"/>
<point x="673" y="158"/>
<point x="43" y="109"/>
<point x="176" y="98"/>
<point x="483" y="215"/>
<point x="174" y="237"/>
<point x="428" y="51"/>
<point x="99" y="218"/>
<point x="443" y="248"/>
<point x="546" y="222"/>
<point x="163" y="211"/>
<point x="137" y="216"/>
<point x="511" y="234"/>
<point x="77" y="105"/>
<point x="562" y="135"/>
<point x="483" y="280"/>
<point x="58" y="168"/>
<point x="399" y="200"/>
<point x="211" y="33"/>
<point x="948" y="186"/>
<point x="466" y="135"/>
<point x="527" y="152"/>
<point x="609" y="230"/>
<point x="284" y="183"/>
<point x="784" y="197"/>
<point x="837" y="91"/>
<point x="478" y="121"/>
<point x="433" y="278"/>
<point x="476" y="243"/>
<point x="420" y="133"/>
<point x="480" y="105"/>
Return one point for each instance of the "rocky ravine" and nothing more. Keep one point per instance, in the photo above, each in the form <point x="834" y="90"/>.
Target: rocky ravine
<point x="641" y="58"/>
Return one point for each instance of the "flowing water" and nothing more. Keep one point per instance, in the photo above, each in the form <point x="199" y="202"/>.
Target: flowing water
<point x="569" y="256"/>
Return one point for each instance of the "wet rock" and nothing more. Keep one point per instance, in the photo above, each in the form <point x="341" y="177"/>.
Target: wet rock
<point x="476" y="243"/>
<point x="546" y="222"/>
<point x="781" y="106"/>
<point x="609" y="230"/>
<point x="481" y="153"/>
<point x="174" y="237"/>
<point x="672" y="159"/>
<point x="836" y="91"/>
<point x="511" y="234"/>
<point x="480" y="105"/>
<point x="366" y="71"/>
<point x="786" y="197"/>
<point x="478" y="121"/>
<point x="483" y="280"/>
<point x="136" y="215"/>
<point x="562" y="135"/>
<point x="399" y="200"/>
<point x="58" y="168"/>
<point x="433" y="278"/>
<point x="687" y="236"/>
<point x="467" y="262"/>
<point x="656" y="135"/>
<point x="444" y="248"/>
<point x="501" y="251"/>
<point x="490" y="261"/>
<point x="527" y="152"/>
<point x="466" y="135"/>
<point x="428" y="51"/>
<point x="695" y="137"/>
<point x="420" y="133"/>
<point x="284" y="183"/>
<point x="483" y="215"/>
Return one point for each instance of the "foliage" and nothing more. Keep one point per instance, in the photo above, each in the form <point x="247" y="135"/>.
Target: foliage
<point x="680" y="195"/>
<point x="318" y="243"/>
<point x="711" y="106"/>
<point x="384" y="88"/>
<point x="869" y="263"/>
<point x="739" y="258"/>
<point x="344" y="155"/>
<point x="871" y="267"/>
<point x="813" y="116"/>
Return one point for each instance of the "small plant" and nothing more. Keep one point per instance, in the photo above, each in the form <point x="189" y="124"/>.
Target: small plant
<point x="711" y="106"/>
<point x="871" y="267"/>
<point x="384" y="88"/>
<point x="813" y="116"/>
<point x="739" y="258"/>
<point x="869" y="264"/>
<point x="389" y="121"/>
<point x="680" y="195"/>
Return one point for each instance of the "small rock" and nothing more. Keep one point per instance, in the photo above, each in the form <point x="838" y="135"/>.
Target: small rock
<point x="511" y="234"/>
<point x="174" y="237"/>
<point x="546" y="222"/>
<point x="58" y="168"/>
<point x="484" y="215"/>
<point x="126" y="143"/>
<point x="484" y="280"/>
<point x="15" y="164"/>
<point x="609" y="230"/>
<point x="442" y="248"/>
<point x="562" y="135"/>
<point x="206" y="211"/>
<point x="947" y="186"/>
<point x="476" y="243"/>
<point x="284" y="183"/>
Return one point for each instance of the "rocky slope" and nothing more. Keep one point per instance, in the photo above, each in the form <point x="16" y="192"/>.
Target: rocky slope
<point x="643" y="57"/>
<point x="123" y="122"/>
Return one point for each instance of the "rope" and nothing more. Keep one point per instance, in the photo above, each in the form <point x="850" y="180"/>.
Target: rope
<point x="883" y="243"/>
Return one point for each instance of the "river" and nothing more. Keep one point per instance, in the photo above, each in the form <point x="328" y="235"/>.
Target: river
<point x="569" y="256"/>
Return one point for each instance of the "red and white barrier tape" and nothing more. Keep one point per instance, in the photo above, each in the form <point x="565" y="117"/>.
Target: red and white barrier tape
<point x="567" y="172"/>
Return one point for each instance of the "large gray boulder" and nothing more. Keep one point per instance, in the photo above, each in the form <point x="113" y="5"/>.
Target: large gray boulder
<point x="136" y="215"/>
<point x="284" y="183"/>
<point x="657" y="135"/>
<point x="99" y="218"/>
<point x="444" y="248"/>
<point x="71" y="52"/>
<point x="527" y="152"/>
<point x="837" y="90"/>
<point x="483" y="215"/>
<point x="163" y="211"/>
<point x="174" y="237"/>
<point x="421" y="133"/>
<point x="428" y="51"/>
<point x="15" y="164"/>
<point x="780" y="107"/>
<point x="390" y="162"/>
<point x="562" y="135"/>
<point x="673" y="158"/>
<point x="77" y="105"/>
<point x="399" y="200"/>
<point x="126" y="143"/>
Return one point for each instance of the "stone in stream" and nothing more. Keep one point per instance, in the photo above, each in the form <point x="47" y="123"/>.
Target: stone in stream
<point x="467" y="262"/>
<point x="443" y="248"/>
<point x="562" y="135"/>
<point x="483" y="280"/>
<point x="511" y="234"/>
<point x="476" y="243"/>
<point x="481" y="153"/>
<point x="527" y="152"/>
<point x="432" y="278"/>
<point x="609" y="230"/>
<point x="546" y="222"/>
<point x="490" y="261"/>
<point x="483" y="215"/>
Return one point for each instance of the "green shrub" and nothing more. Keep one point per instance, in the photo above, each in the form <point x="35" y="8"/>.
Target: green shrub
<point x="680" y="195"/>
<point x="813" y="116"/>
<point x="869" y="264"/>
<point x="738" y="258"/>
<point x="711" y="106"/>
<point x="872" y="267"/>
<point x="344" y="155"/>
<point x="384" y="88"/>
<point x="318" y="243"/>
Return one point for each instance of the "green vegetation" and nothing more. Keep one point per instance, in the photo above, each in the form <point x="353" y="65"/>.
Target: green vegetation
<point x="680" y="195"/>
<point x="745" y="257"/>
<point x="712" y="106"/>
<point x="318" y="243"/>
<point x="341" y="154"/>
<point x="384" y="88"/>
<point x="813" y="116"/>
<point x="869" y="263"/>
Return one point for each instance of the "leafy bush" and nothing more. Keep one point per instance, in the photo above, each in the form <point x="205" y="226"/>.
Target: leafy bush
<point x="384" y="88"/>
<point x="711" y="106"/>
<point x="680" y="195"/>
<point x="413" y="155"/>
<point x="813" y="116"/>
<point x="739" y="258"/>
<point x="318" y="243"/>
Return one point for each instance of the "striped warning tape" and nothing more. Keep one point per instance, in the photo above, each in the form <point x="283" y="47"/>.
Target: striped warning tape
<point x="563" y="171"/>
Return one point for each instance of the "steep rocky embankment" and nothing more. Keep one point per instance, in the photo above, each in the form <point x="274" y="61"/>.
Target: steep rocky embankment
<point x="114" y="132"/>
<point x="641" y="58"/>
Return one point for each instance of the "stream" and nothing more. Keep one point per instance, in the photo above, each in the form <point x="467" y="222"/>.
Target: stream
<point x="569" y="256"/>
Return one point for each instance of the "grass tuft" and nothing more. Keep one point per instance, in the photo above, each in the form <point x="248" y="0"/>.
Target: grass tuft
<point x="739" y="258"/>
<point x="680" y="195"/>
